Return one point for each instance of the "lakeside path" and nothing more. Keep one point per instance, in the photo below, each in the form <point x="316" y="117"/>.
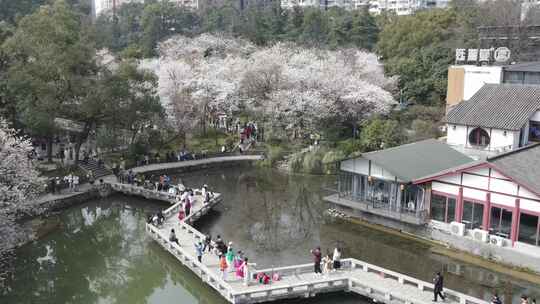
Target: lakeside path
<point x="197" y="162"/>
<point x="110" y="179"/>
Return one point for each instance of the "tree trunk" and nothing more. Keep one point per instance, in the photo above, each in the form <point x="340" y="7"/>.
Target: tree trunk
<point x="81" y="138"/>
<point x="49" y="149"/>
<point x="184" y="140"/>
<point x="133" y="136"/>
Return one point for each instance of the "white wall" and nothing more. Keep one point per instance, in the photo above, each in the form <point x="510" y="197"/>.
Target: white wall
<point x="458" y="136"/>
<point x="360" y="165"/>
<point x="529" y="205"/>
<point x="499" y="140"/>
<point x="475" y="181"/>
<point x="503" y="200"/>
<point x="477" y="76"/>
<point x="356" y="165"/>
<point x="506" y="190"/>
<point x="450" y="189"/>
<point x="535" y="116"/>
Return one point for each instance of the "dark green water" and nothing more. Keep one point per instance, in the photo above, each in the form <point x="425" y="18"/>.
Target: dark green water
<point x="99" y="252"/>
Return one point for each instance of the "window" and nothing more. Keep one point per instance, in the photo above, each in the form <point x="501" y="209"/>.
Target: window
<point x="479" y="137"/>
<point x="528" y="229"/>
<point x="473" y="214"/>
<point x="501" y="222"/>
<point x="531" y="78"/>
<point x="443" y="208"/>
<point x="534" y="131"/>
<point x="380" y="192"/>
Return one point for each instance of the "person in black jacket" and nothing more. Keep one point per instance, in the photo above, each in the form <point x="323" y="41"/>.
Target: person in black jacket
<point x="438" y="288"/>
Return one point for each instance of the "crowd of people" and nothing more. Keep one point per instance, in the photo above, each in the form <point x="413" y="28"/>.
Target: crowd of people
<point x="69" y="182"/>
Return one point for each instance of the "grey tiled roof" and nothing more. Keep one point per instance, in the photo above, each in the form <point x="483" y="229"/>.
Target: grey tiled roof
<point x="415" y="160"/>
<point x="533" y="66"/>
<point x="522" y="166"/>
<point x="499" y="106"/>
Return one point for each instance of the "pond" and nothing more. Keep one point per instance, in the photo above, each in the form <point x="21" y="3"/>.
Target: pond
<point x="98" y="252"/>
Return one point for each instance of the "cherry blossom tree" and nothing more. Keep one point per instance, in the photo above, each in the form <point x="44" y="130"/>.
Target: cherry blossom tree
<point x="19" y="180"/>
<point x="288" y="84"/>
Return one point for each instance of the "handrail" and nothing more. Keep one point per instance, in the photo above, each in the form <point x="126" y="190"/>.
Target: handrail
<point x="207" y="272"/>
<point x="203" y="157"/>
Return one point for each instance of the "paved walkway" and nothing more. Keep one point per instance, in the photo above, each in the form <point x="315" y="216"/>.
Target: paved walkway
<point x="198" y="162"/>
<point x="298" y="280"/>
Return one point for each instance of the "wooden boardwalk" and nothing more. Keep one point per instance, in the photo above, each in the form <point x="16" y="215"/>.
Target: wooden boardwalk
<point x="356" y="276"/>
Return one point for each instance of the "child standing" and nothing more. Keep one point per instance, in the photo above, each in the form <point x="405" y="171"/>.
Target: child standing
<point x="327" y="264"/>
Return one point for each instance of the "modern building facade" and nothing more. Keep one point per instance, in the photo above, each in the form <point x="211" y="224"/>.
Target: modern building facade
<point x="399" y="7"/>
<point x="466" y="79"/>
<point x="107" y="6"/>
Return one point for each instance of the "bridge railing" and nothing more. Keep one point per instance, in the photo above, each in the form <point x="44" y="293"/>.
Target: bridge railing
<point x="147" y="193"/>
<point x="355" y="284"/>
<point x="407" y="280"/>
<point x="272" y="293"/>
<point x="208" y="276"/>
<point x="200" y="156"/>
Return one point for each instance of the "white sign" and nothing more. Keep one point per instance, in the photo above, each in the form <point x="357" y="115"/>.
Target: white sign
<point x="484" y="55"/>
<point x="461" y="54"/>
<point x="501" y="54"/>
<point x="472" y="55"/>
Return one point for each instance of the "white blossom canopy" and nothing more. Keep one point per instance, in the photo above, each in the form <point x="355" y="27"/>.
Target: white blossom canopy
<point x="286" y="82"/>
<point x="19" y="179"/>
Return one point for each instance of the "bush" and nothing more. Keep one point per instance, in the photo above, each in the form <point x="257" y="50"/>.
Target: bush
<point x="331" y="160"/>
<point x="350" y="146"/>
<point x="136" y="151"/>
<point x="273" y="155"/>
<point x="296" y="162"/>
<point x="313" y="162"/>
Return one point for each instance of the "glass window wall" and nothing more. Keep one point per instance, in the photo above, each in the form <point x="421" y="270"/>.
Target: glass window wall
<point x="528" y="229"/>
<point x="443" y="208"/>
<point x="501" y="222"/>
<point x="473" y="214"/>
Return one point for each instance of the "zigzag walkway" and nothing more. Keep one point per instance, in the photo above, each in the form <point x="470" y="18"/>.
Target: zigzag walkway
<point x="356" y="276"/>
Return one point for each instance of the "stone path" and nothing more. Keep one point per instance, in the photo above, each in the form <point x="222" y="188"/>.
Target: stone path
<point x="198" y="162"/>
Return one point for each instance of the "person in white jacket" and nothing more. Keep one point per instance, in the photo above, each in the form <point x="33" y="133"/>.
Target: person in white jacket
<point x="337" y="259"/>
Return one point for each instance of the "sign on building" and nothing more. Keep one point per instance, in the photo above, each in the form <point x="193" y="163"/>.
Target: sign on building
<point x="501" y="54"/>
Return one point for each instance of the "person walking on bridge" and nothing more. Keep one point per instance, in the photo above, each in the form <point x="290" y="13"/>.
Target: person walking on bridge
<point x="317" y="259"/>
<point x="336" y="258"/>
<point x="438" y="288"/>
<point x="199" y="249"/>
<point x="223" y="266"/>
<point x="246" y="270"/>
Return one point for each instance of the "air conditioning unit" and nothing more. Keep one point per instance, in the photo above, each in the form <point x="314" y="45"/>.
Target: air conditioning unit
<point x="457" y="228"/>
<point x="497" y="240"/>
<point x="480" y="235"/>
